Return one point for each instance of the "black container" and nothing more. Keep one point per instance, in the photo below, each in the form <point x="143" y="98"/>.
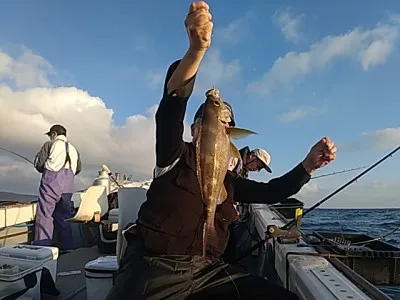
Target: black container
<point x="288" y="209"/>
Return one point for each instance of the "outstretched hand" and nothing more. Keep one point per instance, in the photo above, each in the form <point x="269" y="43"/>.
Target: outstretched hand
<point x="320" y="155"/>
<point x="199" y="26"/>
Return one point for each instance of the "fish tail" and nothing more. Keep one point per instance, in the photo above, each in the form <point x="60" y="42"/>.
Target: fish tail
<point x="205" y="240"/>
<point x="209" y="234"/>
<point x="210" y="229"/>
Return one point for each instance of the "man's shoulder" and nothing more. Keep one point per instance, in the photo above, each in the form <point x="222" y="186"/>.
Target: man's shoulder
<point x="72" y="146"/>
<point x="171" y="69"/>
<point x="47" y="144"/>
<point x="62" y="143"/>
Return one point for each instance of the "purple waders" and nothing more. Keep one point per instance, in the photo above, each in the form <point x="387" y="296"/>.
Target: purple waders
<point x="55" y="192"/>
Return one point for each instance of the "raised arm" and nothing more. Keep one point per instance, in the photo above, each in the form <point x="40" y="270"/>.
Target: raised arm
<point x="279" y="189"/>
<point x="274" y="191"/>
<point x="178" y="86"/>
<point x="171" y="111"/>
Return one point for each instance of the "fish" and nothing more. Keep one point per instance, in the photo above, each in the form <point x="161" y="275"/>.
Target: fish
<point x="214" y="148"/>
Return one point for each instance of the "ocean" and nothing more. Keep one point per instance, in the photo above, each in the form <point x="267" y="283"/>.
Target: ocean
<point x="374" y="222"/>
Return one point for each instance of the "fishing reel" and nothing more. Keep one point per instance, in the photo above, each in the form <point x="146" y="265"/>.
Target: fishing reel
<point x="283" y="235"/>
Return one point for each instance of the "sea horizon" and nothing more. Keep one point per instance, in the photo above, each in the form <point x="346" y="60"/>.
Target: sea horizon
<point x="14" y="196"/>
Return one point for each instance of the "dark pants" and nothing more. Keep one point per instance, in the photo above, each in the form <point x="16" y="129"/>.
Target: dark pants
<point x="54" y="207"/>
<point x="185" y="277"/>
<point x="240" y="238"/>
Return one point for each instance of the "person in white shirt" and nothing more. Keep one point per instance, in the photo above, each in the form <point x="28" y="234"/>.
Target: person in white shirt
<point x="251" y="161"/>
<point x="59" y="162"/>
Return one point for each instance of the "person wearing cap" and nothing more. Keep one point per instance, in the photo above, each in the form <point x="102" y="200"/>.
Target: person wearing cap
<point x="58" y="161"/>
<point x="163" y="258"/>
<point x="251" y="161"/>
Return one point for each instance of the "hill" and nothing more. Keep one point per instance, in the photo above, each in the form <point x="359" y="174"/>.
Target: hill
<point x="7" y="196"/>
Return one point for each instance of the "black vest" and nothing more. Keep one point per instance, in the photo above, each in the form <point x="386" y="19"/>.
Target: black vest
<point x="171" y="220"/>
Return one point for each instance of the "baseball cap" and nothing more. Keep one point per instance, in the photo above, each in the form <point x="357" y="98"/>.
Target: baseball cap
<point x="59" y="129"/>
<point x="264" y="156"/>
<point x="199" y="113"/>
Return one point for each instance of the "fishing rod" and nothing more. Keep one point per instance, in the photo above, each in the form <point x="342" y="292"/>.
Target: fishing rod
<point x="339" y="172"/>
<point x="293" y="222"/>
<point x="319" y="203"/>
<point x="19" y="155"/>
<point x="363" y="243"/>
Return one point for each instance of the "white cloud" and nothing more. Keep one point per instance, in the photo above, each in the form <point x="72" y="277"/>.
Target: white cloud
<point x="155" y="78"/>
<point x="289" y="24"/>
<point x="25" y="71"/>
<point x="214" y="72"/>
<point x="27" y="113"/>
<point x="370" y="47"/>
<point x="383" y="139"/>
<point x="358" y="195"/>
<point x="234" y="32"/>
<point x="298" y="113"/>
<point x="141" y="40"/>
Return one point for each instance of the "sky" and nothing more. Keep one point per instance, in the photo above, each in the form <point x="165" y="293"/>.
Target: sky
<point x="294" y="72"/>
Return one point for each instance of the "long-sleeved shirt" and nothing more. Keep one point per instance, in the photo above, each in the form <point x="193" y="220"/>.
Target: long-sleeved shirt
<point x="170" y="145"/>
<point x="171" y="220"/>
<point x="52" y="156"/>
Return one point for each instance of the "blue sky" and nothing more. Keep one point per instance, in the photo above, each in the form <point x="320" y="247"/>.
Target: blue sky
<point x="344" y="81"/>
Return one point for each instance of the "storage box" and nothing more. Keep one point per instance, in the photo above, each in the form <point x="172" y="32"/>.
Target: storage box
<point x="288" y="209"/>
<point x="28" y="256"/>
<point x="22" y="283"/>
<point x="99" y="275"/>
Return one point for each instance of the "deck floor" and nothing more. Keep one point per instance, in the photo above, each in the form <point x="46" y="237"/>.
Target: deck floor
<point x="73" y="286"/>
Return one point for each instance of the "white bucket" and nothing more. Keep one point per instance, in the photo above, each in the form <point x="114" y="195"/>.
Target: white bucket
<point x="99" y="275"/>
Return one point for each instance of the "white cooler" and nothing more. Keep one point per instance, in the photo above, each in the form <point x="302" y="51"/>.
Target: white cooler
<point x="17" y="262"/>
<point x="27" y="256"/>
<point x="99" y="275"/>
<point x="12" y="281"/>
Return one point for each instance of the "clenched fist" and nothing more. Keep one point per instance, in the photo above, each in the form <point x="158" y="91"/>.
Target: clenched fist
<point x="321" y="154"/>
<point x="199" y="26"/>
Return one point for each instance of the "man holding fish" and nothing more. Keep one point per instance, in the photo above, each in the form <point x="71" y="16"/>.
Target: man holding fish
<point x="174" y="251"/>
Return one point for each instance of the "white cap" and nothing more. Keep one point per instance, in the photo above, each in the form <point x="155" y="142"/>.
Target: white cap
<point x="264" y="156"/>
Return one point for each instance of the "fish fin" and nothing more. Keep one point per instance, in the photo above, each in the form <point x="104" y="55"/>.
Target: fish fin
<point x="234" y="152"/>
<point x="222" y="195"/>
<point x="238" y="133"/>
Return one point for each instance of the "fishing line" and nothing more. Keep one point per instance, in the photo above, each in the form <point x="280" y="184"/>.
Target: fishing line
<point x="376" y="239"/>
<point x="19" y="155"/>
<point x="319" y="203"/>
<point x="291" y="223"/>
<point x="339" y="172"/>
<point x="243" y="245"/>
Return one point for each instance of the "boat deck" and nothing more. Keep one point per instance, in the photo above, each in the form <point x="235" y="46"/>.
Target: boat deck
<point x="73" y="286"/>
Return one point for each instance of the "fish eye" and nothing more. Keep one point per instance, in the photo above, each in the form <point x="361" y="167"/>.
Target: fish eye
<point x="216" y="103"/>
